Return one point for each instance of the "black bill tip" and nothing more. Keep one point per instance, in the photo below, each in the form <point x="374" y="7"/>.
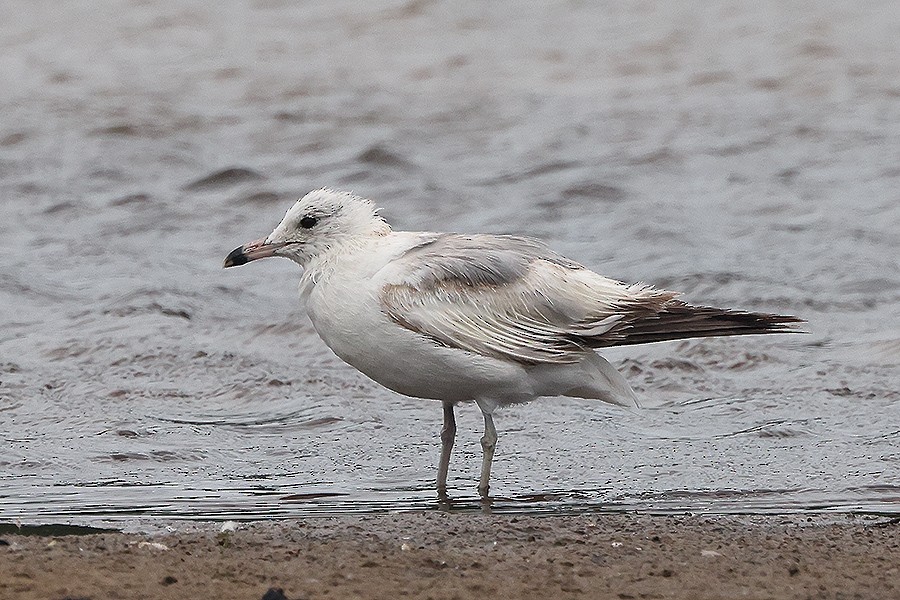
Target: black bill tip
<point x="235" y="258"/>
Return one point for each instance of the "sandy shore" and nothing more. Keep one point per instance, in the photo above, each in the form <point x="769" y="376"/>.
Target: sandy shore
<point x="438" y="555"/>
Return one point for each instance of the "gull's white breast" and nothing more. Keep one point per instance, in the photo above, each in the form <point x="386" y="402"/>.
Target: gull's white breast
<point x="344" y="306"/>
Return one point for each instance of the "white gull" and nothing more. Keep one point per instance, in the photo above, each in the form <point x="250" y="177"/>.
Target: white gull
<point x="493" y="319"/>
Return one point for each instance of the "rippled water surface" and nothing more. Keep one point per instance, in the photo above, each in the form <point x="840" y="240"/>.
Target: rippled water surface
<point x="746" y="155"/>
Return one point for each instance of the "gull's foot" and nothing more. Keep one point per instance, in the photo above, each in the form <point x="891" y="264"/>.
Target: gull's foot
<point x="487" y="504"/>
<point x="444" y="502"/>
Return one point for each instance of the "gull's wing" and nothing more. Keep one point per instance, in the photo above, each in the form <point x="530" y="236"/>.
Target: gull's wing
<point x="514" y="298"/>
<point x="509" y="297"/>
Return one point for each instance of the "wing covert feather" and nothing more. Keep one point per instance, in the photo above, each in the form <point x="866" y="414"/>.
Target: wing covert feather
<point x="509" y="297"/>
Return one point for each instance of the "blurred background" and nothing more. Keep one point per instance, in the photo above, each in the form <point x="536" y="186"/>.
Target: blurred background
<point x="744" y="153"/>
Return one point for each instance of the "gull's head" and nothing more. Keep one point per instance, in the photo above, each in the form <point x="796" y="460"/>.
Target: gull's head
<point x="316" y="223"/>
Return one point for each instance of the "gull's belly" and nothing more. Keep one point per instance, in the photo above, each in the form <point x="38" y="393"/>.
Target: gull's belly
<point x="356" y="329"/>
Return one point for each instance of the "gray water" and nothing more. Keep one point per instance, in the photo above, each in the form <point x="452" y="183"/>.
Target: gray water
<point x="747" y="155"/>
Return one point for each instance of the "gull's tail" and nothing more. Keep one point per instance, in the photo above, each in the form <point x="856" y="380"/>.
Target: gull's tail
<point x="592" y="377"/>
<point x="678" y="320"/>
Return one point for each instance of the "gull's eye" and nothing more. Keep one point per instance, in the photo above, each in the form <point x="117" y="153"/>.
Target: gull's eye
<point x="308" y="222"/>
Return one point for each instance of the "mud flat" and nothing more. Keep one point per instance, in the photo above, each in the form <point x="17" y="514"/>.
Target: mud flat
<point x="440" y="555"/>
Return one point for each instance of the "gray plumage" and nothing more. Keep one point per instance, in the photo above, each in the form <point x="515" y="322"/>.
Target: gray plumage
<point x="514" y="298"/>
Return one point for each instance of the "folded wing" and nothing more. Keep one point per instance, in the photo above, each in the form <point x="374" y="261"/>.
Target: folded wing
<point x="513" y="298"/>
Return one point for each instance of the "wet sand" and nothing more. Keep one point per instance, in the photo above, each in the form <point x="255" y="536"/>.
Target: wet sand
<point x="447" y="555"/>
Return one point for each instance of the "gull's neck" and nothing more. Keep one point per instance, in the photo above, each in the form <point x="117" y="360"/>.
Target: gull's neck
<point x="352" y="253"/>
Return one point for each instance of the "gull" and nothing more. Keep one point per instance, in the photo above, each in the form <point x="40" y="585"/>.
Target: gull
<point x="490" y="319"/>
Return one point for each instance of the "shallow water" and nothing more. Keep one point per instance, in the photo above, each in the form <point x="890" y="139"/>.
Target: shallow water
<point x="747" y="157"/>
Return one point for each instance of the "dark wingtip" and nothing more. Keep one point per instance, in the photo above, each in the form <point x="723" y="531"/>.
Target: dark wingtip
<point x="679" y="320"/>
<point x="235" y="258"/>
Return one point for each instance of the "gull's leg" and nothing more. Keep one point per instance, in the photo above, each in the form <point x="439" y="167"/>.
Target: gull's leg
<point x="448" y="434"/>
<point x="488" y="443"/>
